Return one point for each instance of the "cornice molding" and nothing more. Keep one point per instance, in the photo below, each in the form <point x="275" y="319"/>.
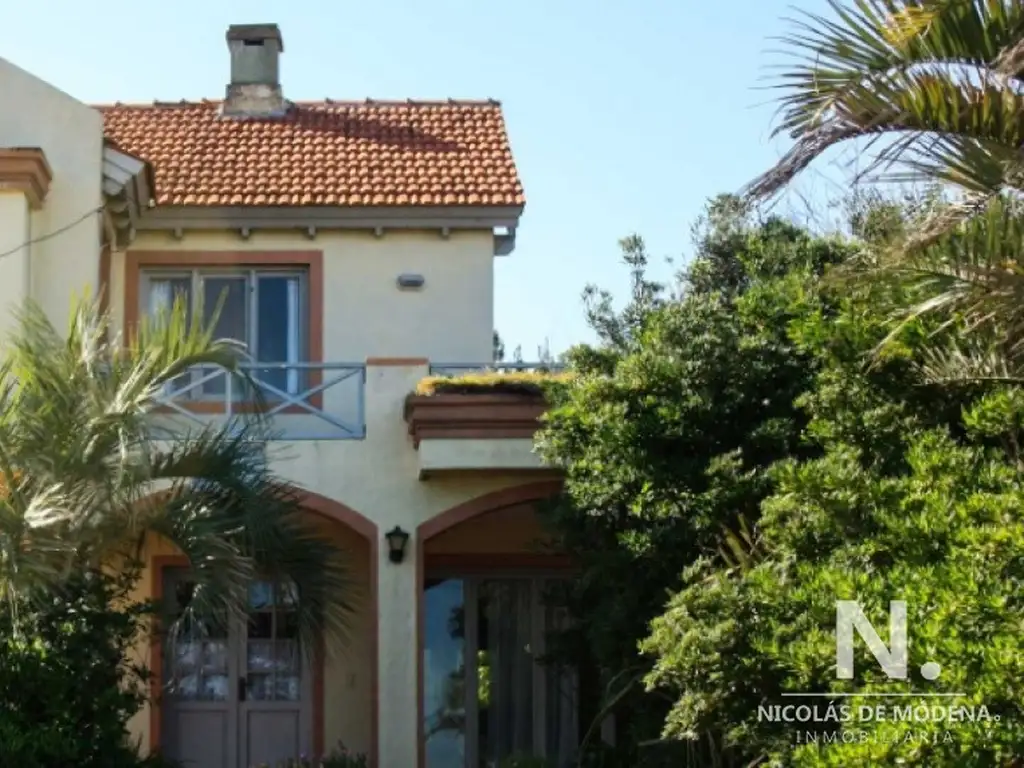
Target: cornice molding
<point x="26" y="170"/>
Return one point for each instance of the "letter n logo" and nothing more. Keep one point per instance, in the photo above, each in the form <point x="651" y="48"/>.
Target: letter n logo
<point x="893" y="660"/>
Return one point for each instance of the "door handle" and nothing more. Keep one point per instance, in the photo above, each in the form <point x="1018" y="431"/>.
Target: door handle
<point x="242" y="684"/>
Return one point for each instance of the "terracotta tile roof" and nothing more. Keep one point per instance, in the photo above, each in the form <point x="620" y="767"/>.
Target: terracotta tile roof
<point x="323" y="153"/>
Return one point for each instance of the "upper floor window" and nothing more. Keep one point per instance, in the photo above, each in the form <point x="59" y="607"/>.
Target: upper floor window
<point x="264" y="309"/>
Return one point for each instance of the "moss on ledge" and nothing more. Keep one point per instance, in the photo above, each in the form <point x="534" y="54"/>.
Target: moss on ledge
<point x="493" y="383"/>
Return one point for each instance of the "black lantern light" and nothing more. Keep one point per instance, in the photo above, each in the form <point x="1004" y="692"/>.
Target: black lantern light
<point x="397" y="539"/>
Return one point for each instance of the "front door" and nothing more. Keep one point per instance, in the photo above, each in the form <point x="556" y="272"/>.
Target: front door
<point x="236" y="693"/>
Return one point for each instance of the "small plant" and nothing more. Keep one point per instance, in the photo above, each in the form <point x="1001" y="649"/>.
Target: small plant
<point x="513" y="382"/>
<point x="525" y="761"/>
<point x="339" y="757"/>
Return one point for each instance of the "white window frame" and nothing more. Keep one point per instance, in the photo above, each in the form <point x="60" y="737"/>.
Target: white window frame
<point x="197" y="274"/>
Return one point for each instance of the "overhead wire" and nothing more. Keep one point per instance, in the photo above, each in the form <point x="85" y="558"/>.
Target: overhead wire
<point x="54" y="233"/>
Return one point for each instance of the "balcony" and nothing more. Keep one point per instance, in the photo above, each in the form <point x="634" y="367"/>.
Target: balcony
<point x="302" y="401"/>
<point x="472" y="418"/>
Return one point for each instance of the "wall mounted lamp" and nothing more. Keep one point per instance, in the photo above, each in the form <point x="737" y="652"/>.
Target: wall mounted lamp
<point x="397" y="539"/>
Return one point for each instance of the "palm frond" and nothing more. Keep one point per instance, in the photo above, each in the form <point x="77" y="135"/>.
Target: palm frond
<point x="223" y="491"/>
<point x="920" y="74"/>
<point x="968" y="361"/>
<point x="83" y="477"/>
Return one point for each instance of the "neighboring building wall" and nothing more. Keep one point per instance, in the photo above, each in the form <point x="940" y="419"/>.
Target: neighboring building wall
<point x="35" y="114"/>
<point x="366" y="315"/>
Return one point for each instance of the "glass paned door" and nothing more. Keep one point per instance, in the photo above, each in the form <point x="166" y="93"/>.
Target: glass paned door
<point x="274" y="691"/>
<point x="198" y="655"/>
<point x="237" y="693"/>
<point x="487" y="696"/>
<point x="273" y="670"/>
<point x="199" y="713"/>
<point x="444" y="673"/>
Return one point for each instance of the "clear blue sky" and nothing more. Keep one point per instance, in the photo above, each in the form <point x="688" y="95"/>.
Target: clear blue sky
<point x="624" y="117"/>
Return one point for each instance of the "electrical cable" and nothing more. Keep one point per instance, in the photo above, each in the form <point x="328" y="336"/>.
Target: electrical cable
<point x="49" y="235"/>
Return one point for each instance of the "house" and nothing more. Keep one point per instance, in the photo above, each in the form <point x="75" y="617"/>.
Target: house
<point x="354" y="243"/>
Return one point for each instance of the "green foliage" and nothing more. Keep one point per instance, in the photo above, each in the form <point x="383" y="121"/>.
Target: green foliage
<point x="941" y="79"/>
<point x="540" y="383"/>
<point x="82" y="459"/>
<point x="946" y="536"/>
<point x="666" y="435"/>
<point x="525" y="761"/>
<point x="760" y="445"/>
<point x="69" y="689"/>
<point x="339" y="757"/>
<point x="905" y="490"/>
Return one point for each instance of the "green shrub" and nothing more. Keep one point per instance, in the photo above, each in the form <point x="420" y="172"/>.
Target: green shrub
<point x="67" y="689"/>
<point x="495" y="383"/>
<point x="339" y="757"/>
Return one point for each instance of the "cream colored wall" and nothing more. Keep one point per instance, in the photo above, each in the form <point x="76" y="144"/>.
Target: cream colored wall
<point x="15" y="230"/>
<point x="35" y="114"/>
<point x="348" y="680"/>
<point x="457" y="454"/>
<point x="449" y="320"/>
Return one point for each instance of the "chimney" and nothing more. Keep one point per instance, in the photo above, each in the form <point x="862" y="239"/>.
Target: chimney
<point x="255" y="87"/>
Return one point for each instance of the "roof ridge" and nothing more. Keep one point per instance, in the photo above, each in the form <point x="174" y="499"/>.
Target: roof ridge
<point x="368" y="102"/>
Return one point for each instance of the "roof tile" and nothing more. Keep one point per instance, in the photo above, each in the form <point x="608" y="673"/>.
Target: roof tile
<point x="323" y="153"/>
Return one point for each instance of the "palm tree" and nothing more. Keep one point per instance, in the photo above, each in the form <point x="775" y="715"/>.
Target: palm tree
<point x="934" y="89"/>
<point x="84" y="479"/>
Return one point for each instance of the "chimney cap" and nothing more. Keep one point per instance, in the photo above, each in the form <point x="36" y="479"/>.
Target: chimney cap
<point x="242" y="32"/>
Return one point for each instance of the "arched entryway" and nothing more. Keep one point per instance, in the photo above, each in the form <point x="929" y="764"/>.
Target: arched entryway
<point x="320" y="702"/>
<point x="483" y="568"/>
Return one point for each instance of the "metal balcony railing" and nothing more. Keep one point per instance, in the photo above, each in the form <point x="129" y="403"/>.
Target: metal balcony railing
<point x="307" y="401"/>
<point x="459" y="369"/>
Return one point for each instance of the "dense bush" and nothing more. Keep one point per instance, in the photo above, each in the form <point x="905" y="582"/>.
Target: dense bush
<point x="339" y="757"/>
<point x="665" y="439"/>
<point x="66" y="688"/>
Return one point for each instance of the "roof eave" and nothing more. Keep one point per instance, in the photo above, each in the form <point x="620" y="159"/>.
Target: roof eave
<point x="500" y="220"/>
<point x="127" y="190"/>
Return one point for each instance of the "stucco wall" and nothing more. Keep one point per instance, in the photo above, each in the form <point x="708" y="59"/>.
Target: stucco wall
<point x="450" y="319"/>
<point x="35" y="114"/>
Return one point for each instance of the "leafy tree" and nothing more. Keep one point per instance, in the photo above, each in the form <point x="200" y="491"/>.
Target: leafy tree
<point x="916" y="496"/>
<point x="666" y="437"/>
